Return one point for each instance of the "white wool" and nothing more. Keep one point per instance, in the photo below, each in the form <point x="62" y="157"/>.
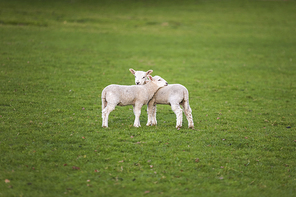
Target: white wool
<point x="121" y="95"/>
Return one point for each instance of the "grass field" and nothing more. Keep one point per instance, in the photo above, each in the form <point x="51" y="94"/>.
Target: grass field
<point x="236" y="58"/>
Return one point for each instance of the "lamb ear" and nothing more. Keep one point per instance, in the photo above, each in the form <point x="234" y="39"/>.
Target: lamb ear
<point x="132" y="71"/>
<point x="150" y="77"/>
<point x="149" y="72"/>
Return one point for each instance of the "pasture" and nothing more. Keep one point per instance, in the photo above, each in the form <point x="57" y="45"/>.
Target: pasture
<point x="236" y="58"/>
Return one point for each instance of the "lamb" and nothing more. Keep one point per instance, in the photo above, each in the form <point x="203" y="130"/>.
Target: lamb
<point x="121" y="95"/>
<point x="173" y="95"/>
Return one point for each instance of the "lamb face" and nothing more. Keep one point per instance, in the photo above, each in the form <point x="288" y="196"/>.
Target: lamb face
<point x="159" y="81"/>
<point x="140" y="76"/>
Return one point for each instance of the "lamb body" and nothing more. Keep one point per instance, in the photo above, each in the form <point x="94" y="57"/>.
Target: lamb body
<point x="121" y="95"/>
<point x="173" y="95"/>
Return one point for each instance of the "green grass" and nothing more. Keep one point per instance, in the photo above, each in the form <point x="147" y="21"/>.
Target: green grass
<point x="236" y="58"/>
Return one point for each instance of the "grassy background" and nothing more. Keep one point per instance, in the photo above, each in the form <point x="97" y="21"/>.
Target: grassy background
<point x="236" y="58"/>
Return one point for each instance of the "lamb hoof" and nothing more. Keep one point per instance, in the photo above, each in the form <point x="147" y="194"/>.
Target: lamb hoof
<point x="178" y="127"/>
<point x="105" y="126"/>
<point x="137" y="125"/>
<point x="191" y="127"/>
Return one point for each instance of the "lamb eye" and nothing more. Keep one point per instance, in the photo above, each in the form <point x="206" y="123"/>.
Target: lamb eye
<point x="143" y="77"/>
<point x="159" y="80"/>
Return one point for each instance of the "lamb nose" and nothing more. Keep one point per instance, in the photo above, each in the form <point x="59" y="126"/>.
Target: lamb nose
<point x="137" y="83"/>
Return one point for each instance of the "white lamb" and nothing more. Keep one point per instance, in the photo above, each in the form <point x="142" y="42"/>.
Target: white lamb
<point x="121" y="95"/>
<point x="173" y="95"/>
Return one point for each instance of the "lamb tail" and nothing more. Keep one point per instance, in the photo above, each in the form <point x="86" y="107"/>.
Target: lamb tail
<point x="104" y="102"/>
<point x="186" y="101"/>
